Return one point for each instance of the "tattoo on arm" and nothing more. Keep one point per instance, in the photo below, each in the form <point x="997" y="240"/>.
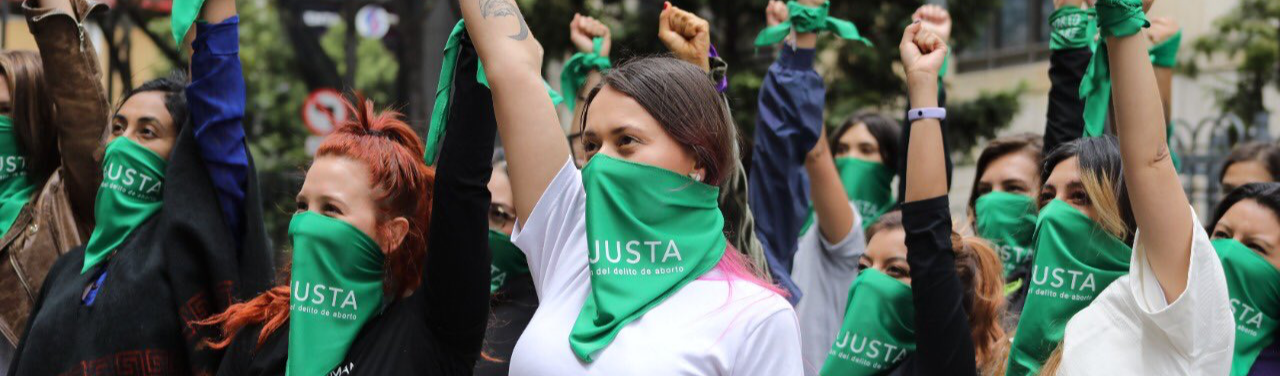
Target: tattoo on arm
<point x="503" y="8"/>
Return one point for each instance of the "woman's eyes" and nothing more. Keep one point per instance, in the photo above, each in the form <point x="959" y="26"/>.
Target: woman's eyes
<point x="626" y="140"/>
<point x="301" y="206"/>
<point x="589" y="145"/>
<point x="897" y="272"/>
<point x="1015" y="189"/>
<point x="330" y="208"/>
<point x="1080" y="198"/>
<point x="117" y="128"/>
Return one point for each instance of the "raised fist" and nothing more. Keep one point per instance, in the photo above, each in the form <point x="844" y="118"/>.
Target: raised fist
<point x="1161" y="29"/>
<point x="922" y="53"/>
<point x="583" y="29"/>
<point x="935" y="19"/>
<point x="686" y="35"/>
<point x="776" y="12"/>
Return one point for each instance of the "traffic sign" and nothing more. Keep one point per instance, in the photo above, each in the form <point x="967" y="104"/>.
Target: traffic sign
<point x="323" y="111"/>
<point x="373" y="22"/>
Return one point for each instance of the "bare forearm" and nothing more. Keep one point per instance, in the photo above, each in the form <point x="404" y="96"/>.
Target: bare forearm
<point x="1164" y="78"/>
<point x="830" y="204"/>
<point x="216" y="11"/>
<point x="925" y="159"/>
<point x="1159" y="204"/>
<point x="535" y="144"/>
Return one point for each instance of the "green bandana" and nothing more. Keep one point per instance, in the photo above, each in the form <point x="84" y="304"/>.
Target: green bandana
<point x="576" y="70"/>
<point x="1254" y="287"/>
<point x="336" y="288"/>
<point x="1008" y="221"/>
<point x="1165" y="54"/>
<point x="1116" y="18"/>
<point x="132" y="183"/>
<point x="878" y="330"/>
<point x="807" y="20"/>
<point x="508" y="260"/>
<point x="1075" y="259"/>
<point x="650" y="232"/>
<point x="182" y="14"/>
<point x="15" y="188"/>
<point x="867" y="184"/>
<point x="444" y="92"/>
<point x="1072" y="28"/>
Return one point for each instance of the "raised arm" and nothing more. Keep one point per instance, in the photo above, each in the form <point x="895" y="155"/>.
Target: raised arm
<point x="455" y="290"/>
<point x="75" y="87"/>
<point x="1069" y="55"/>
<point x="937" y="21"/>
<point x="943" y="341"/>
<point x="535" y="144"/>
<point x="1159" y="204"/>
<point x="830" y="203"/>
<point x="791" y="101"/>
<point x="216" y="98"/>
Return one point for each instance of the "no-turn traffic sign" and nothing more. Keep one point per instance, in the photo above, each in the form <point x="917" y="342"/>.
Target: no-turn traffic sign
<point x="323" y="111"/>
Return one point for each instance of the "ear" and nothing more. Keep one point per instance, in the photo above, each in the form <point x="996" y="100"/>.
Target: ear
<point x="397" y="228"/>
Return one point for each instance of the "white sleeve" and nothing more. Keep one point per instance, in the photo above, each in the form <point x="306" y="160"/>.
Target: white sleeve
<point x="1199" y="322"/>
<point x="547" y="236"/>
<point x="850" y="248"/>
<point x="772" y="348"/>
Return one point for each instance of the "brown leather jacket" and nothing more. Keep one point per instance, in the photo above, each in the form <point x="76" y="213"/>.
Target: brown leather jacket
<point x="60" y="215"/>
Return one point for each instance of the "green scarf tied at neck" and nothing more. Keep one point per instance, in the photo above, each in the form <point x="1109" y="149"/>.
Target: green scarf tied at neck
<point x="444" y="92"/>
<point x="181" y="15"/>
<point x="878" y="329"/>
<point x="1008" y="221"/>
<point x="508" y="260"/>
<point x="1254" y="287"/>
<point x="578" y="66"/>
<point x="1072" y="28"/>
<point x="807" y="19"/>
<point x="650" y="232"/>
<point x="1075" y="259"/>
<point x="336" y="288"/>
<point x="1116" y="18"/>
<point x="130" y="193"/>
<point x="867" y="184"/>
<point x="15" y="188"/>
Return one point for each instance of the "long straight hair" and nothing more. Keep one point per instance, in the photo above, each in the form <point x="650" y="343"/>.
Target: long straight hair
<point x="32" y="112"/>
<point x="1102" y="175"/>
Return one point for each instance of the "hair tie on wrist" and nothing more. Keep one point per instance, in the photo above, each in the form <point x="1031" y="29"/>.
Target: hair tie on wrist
<point x="807" y="19"/>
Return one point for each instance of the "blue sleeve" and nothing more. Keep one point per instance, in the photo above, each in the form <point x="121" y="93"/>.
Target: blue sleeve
<point x="216" y="99"/>
<point x="790" y="119"/>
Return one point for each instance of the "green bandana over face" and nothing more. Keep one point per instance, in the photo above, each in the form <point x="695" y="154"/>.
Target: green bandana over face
<point x="336" y="287"/>
<point x="1072" y="28"/>
<point x="1254" y="287"/>
<point x="507" y="260"/>
<point x="578" y="66"/>
<point x="15" y="188"/>
<point x="1075" y="259"/>
<point x="878" y="330"/>
<point x="807" y="20"/>
<point x="867" y="184"/>
<point x="1008" y="221"/>
<point x="1116" y="18"/>
<point x="650" y="232"/>
<point x="132" y="183"/>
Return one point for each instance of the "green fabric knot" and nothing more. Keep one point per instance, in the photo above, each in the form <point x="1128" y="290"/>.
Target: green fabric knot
<point x="1165" y="54"/>
<point x="578" y="67"/>
<point x="807" y="19"/>
<point x="1116" y="18"/>
<point x="1072" y="28"/>
<point x="1120" y="18"/>
<point x="444" y="91"/>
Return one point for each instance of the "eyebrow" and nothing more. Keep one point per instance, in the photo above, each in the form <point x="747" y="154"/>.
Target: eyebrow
<point x="621" y="129"/>
<point x="896" y="258"/>
<point x="1011" y="181"/>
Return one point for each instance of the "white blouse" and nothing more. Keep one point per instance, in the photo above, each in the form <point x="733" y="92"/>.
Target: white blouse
<point x="1131" y="330"/>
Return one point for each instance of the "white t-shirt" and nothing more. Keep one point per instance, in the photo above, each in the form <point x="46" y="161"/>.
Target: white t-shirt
<point x="1131" y="330"/>
<point x="710" y="327"/>
<point x="824" y="271"/>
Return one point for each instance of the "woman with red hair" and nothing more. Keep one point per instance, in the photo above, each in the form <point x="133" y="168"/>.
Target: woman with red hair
<point x="364" y="293"/>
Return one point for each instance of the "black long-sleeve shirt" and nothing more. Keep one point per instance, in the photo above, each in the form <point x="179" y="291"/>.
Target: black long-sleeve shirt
<point x="943" y="342"/>
<point x="438" y="329"/>
<point x="1065" y="119"/>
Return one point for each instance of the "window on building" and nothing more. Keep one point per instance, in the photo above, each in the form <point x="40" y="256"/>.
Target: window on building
<point x="1017" y="34"/>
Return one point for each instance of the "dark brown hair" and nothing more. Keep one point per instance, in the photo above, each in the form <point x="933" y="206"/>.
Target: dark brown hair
<point x="886" y="131"/>
<point x="1028" y="143"/>
<point x="686" y="104"/>
<point x="1265" y="153"/>
<point x="32" y="110"/>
